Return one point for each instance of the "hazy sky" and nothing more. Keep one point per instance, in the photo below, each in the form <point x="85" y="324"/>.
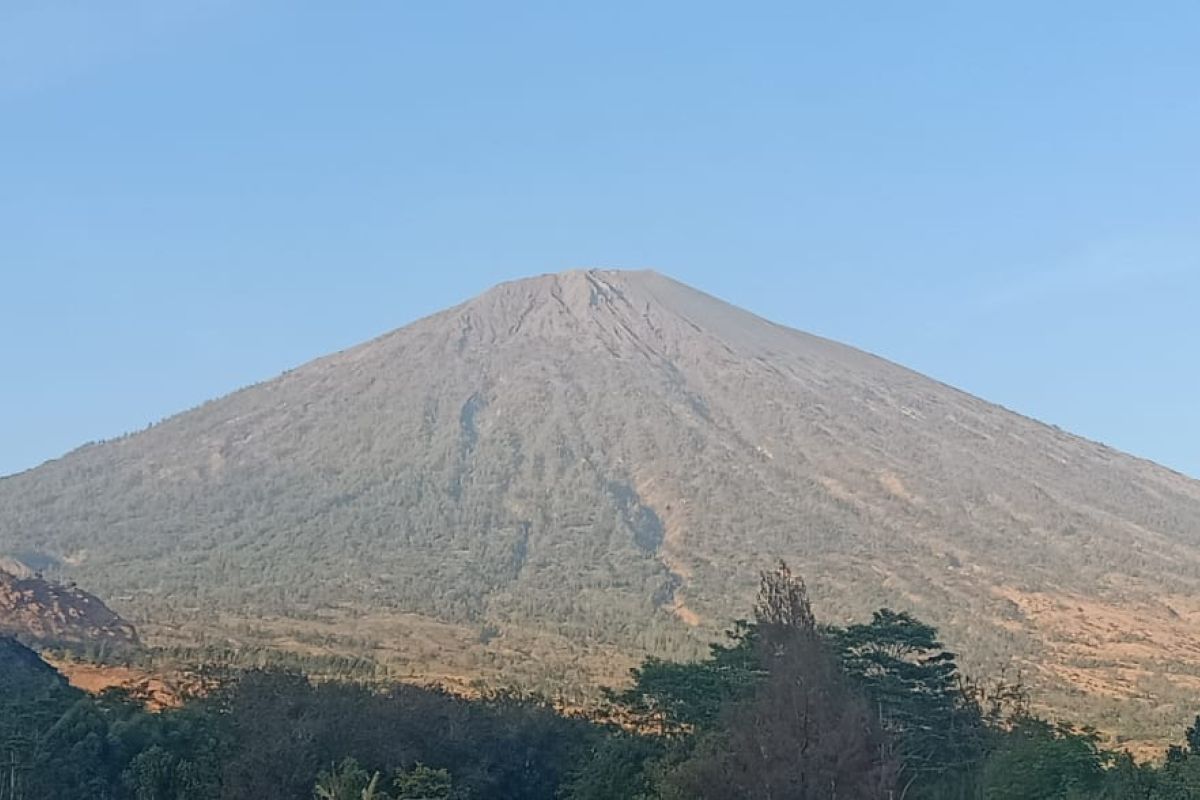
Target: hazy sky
<point x="195" y="196"/>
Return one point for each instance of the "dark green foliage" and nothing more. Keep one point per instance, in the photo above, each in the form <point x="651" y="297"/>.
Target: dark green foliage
<point x="422" y="783"/>
<point x="159" y="774"/>
<point x="1040" y="761"/>
<point x="914" y="688"/>
<point x="726" y="725"/>
<point x="347" y="781"/>
<point x="1192" y="737"/>
<point x="619" y="766"/>
<point x="782" y="709"/>
<point x="806" y="733"/>
<point x="52" y="741"/>
<point x="496" y="747"/>
<point x="771" y="715"/>
<point x="673" y="698"/>
<point x="1128" y="780"/>
<point x="269" y="734"/>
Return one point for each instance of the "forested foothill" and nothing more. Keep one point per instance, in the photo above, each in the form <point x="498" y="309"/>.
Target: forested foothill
<point x="785" y="707"/>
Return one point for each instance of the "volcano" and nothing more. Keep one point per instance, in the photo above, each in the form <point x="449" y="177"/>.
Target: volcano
<point x="573" y="470"/>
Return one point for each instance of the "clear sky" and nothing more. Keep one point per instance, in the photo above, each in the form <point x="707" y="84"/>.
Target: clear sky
<point x="199" y="195"/>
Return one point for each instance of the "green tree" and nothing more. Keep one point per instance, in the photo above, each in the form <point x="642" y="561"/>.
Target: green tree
<point x="803" y="733"/>
<point x="422" y="783"/>
<point x="157" y="774"/>
<point x="1041" y="761"/>
<point x="1126" y="779"/>
<point x="618" y="767"/>
<point x="347" y="781"/>
<point x="914" y="687"/>
<point x="676" y="699"/>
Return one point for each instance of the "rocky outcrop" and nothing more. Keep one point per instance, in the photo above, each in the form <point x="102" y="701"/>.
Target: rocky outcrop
<point x="36" y="610"/>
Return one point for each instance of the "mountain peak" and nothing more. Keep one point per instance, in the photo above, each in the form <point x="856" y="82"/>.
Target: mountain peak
<point x="579" y="290"/>
<point x="640" y="310"/>
<point x="600" y="461"/>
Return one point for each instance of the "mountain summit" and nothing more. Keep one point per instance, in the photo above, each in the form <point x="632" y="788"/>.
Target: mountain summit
<point x="597" y="463"/>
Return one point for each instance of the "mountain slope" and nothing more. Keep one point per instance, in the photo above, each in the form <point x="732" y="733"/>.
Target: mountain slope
<point x="39" y="611"/>
<point x="607" y="458"/>
<point x="24" y="675"/>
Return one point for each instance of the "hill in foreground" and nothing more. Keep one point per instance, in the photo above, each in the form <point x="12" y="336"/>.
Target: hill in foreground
<point x="571" y="470"/>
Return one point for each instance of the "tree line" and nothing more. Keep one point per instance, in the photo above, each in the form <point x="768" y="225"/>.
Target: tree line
<point x="784" y="708"/>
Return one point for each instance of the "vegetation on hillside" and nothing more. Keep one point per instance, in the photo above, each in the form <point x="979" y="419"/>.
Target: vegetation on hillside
<point x="784" y="708"/>
<point x="577" y="469"/>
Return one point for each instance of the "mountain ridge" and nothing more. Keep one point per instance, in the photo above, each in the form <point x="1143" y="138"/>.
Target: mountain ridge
<point x="595" y="459"/>
<point x="583" y="272"/>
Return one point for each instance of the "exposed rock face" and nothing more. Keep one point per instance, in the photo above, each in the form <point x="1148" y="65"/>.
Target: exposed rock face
<point x="36" y="610"/>
<point x="610" y="457"/>
<point x="15" y="568"/>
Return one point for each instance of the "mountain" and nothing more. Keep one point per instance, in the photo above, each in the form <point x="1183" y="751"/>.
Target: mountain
<point x="37" y="610"/>
<point x="572" y="470"/>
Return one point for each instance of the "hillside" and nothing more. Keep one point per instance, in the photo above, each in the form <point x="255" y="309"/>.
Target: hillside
<point x="571" y="470"/>
<point x="36" y="610"/>
<point x="24" y="674"/>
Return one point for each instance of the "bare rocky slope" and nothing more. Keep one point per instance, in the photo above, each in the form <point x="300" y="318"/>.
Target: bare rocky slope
<point x="38" y="611"/>
<point x="578" y="468"/>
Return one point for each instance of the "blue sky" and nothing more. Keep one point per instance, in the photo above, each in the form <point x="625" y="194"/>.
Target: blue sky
<point x="198" y="195"/>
